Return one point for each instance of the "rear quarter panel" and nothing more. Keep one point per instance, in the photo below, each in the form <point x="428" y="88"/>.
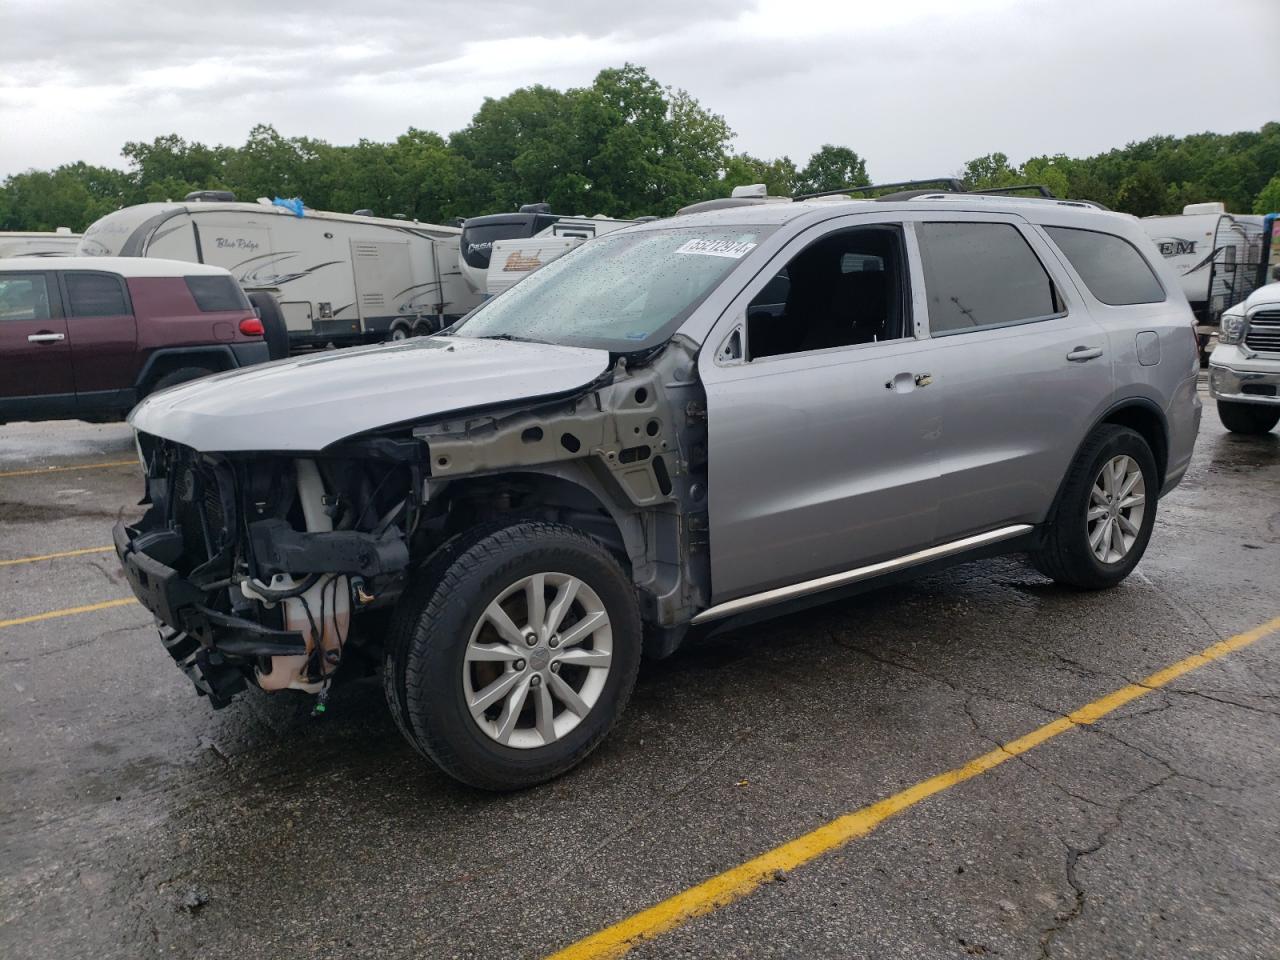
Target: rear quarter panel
<point x="1168" y="383"/>
<point x="168" y="317"/>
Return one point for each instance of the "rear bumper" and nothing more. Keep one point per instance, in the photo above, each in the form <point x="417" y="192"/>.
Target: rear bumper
<point x="250" y="353"/>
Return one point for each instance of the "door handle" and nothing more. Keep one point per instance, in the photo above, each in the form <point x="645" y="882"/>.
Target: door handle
<point x="924" y="379"/>
<point x="1081" y="354"/>
<point x="46" y="337"/>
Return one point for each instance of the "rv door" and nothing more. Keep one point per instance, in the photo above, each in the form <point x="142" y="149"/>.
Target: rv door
<point x="384" y="283"/>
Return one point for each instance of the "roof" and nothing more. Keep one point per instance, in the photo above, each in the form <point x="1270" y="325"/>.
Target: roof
<point x="142" y="211"/>
<point x="1034" y="209"/>
<point x="63" y="234"/>
<point x="124" y="266"/>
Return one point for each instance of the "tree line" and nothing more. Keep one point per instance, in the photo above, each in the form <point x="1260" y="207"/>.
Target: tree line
<point x="625" y="146"/>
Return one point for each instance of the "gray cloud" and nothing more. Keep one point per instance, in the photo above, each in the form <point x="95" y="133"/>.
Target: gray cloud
<point x="917" y="87"/>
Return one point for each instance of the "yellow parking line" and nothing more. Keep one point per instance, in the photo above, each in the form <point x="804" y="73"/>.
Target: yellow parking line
<point x="69" y="612"/>
<point x="78" y="466"/>
<point x="56" y="556"/>
<point x="738" y="882"/>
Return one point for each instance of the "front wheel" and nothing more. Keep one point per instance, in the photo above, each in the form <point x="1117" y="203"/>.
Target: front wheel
<point x="1248" y="418"/>
<point x="518" y="655"/>
<point x="1105" y="512"/>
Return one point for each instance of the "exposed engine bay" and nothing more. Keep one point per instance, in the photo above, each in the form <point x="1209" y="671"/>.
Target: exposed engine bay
<point x="267" y="568"/>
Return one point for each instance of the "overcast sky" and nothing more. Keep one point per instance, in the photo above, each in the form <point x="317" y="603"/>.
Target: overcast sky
<point x="915" y="86"/>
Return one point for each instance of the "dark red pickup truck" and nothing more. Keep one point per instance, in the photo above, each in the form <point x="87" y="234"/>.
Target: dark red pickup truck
<point x="88" y="337"/>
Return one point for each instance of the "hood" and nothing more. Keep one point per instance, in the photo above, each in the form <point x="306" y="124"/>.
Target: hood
<point x="1268" y="294"/>
<point x="307" y="403"/>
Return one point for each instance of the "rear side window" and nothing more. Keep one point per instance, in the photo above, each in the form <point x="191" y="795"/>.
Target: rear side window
<point x="981" y="275"/>
<point x="216" y="294"/>
<point x="95" y="295"/>
<point x="23" y="296"/>
<point x="1110" y="266"/>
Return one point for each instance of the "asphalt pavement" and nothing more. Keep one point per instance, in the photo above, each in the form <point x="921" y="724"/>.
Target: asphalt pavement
<point x="137" y="822"/>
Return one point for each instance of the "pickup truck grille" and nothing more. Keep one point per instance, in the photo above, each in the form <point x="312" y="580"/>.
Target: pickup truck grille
<point x="1264" y="332"/>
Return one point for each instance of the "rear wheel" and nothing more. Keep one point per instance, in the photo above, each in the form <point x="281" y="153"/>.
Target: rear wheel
<point x="1250" y="418"/>
<point x="518" y="655"/>
<point x="1104" y="516"/>
<point x="275" y="333"/>
<point x="181" y="375"/>
<point x="401" y="331"/>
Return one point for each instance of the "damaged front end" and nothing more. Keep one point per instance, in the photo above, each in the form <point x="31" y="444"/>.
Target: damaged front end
<point x="254" y="564"/>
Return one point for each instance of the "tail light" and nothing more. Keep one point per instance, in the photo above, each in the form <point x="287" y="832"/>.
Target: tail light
<point x="252" y="327"/>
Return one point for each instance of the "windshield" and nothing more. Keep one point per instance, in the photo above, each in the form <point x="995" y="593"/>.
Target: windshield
<point x="622" y="292"/>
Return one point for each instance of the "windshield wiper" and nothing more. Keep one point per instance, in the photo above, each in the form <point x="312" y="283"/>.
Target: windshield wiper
<point x="509" y="336"/>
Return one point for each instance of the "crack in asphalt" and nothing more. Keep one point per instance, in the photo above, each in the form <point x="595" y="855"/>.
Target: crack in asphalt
<point x="1022" y="758"/>
<point x="1074" y="856"/>
<point x="75" y="645"/>
<point x="1189" y="692"/>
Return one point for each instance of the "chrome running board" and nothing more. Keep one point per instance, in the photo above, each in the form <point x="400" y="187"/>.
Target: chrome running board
<point x="807" y="587"/>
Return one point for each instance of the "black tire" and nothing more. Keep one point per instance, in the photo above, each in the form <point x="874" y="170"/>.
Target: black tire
<point x="1248" y="418"/>
<point x="1064" y="554"/>
<point x="181" y="375"/>
<point x="275" y="333"/>
<point x="404" y="622"/>
<point x="399" y="331"/>
<point x="425" y="653"/>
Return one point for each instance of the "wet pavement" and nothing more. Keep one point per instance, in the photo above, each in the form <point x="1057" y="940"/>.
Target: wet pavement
<point x="135" y="821"/>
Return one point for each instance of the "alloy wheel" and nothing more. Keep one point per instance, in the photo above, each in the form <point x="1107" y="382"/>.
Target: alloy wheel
<point x="537" y="660"/>
<point x="1117" y="504"/>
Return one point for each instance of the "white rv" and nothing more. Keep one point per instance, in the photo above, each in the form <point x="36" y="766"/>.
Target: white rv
<point x="339" y="278"/>
<point x="1217" y="256"/>
<point x="501" y="248"/>
<point x="60" y="243"/>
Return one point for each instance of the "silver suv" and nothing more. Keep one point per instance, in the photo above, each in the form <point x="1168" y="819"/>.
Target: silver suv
<point x="687" y="424"/>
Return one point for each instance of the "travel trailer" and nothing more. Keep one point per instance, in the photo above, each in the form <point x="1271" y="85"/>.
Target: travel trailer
<point x="59" y="243"/>
<point x="500" y="248"/>
<point x="1216" y="256"/>
<point x="339" y="279"/>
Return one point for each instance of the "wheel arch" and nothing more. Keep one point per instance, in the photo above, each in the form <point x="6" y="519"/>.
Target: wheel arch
<point x="571" y="494"/>
<point x="1148" y="421"/>
<point x="215" y="358"/>
<point x="1138" y="414"/>
<point x="649" y="541"/>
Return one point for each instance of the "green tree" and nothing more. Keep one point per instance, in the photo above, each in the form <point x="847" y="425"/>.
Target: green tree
<point x="991" y="170"/>
<point x="831" y="168"/>
<point x="73" y="195"/>
<point x="1269" y="197"/>
<point x="169" y="167"/>
<point x="1143" y="192"/>
<point x="779" y="176"/>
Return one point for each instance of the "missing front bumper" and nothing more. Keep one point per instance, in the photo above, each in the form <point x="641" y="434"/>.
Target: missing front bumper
<point x="215" y="650"/>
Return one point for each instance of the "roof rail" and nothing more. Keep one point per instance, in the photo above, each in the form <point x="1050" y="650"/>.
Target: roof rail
<point x="996" y="195"/>
<point x="1040" y="188"/>
<point x="950" y="184"/>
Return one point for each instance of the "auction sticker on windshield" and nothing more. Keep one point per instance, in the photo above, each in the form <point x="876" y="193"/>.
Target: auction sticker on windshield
<point x="733" y="249"/>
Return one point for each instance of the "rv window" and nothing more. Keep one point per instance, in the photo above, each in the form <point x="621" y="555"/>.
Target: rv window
<point x="95" y="295"/>
<point x="217" y="294"/>
<point x="980" y="275"/>
<point x="1110" y="266"/>
<point x="23" y="297"/>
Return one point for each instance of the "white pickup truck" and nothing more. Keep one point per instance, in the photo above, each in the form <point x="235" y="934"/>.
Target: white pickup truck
<point x="1244" y="370"/>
